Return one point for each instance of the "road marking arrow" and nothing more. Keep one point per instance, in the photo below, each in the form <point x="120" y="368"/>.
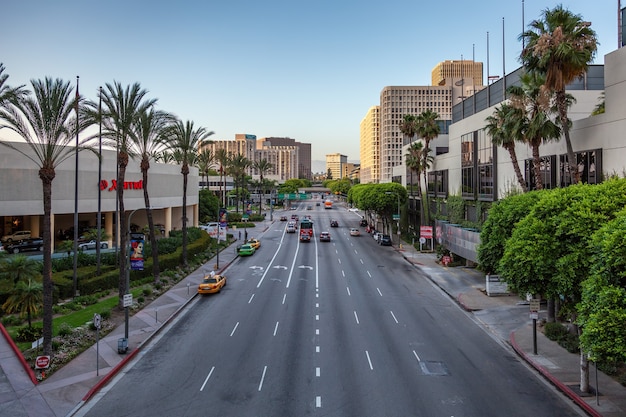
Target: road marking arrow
<point x="280" y="267"/>
<point x="306" y="267"/>
<point x="256" y="267"/>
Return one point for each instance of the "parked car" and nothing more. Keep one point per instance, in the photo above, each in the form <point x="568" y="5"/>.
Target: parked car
<point x="212" y="283"/>
<point x="324" y="237"/>
<point x="334" y="223"/>
<point x="33" y="243"/>
<point x="245" y="250"/>
<point x="355" y="232"/>
<point x="384" y="240"/>
<point x="92" y="245"/>
<point x="16" y="236"/>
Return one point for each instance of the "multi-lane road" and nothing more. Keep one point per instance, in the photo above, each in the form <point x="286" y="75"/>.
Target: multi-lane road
<point x="340" y="328"/>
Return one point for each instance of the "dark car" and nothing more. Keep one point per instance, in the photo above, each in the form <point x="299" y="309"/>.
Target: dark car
<point x="384" y="240"/>
<point x="334" y="223"/>
<point x="324" y="237"/>
<point x="363" y="222"/>
<point x="283" y="218"/>
<point x="34" y="243"/>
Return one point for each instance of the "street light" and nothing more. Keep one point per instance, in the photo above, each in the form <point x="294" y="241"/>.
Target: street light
<point x="398" y="195"/>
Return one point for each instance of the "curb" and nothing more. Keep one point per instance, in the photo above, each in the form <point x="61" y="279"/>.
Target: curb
<point x="562" y="387"/>
<point x="19" y="355"/>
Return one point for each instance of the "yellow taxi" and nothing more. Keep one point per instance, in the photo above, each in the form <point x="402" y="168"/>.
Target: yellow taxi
<point x="211" y="283"/>
<point x="255" y="243"/>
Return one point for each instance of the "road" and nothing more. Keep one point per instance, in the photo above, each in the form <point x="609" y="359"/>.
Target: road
<point x="344" y="328"/>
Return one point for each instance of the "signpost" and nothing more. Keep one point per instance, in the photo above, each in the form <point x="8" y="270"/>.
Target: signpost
<point x="97" y="322"/>
<point x="535" y="305"/>
<point x="426" y="232"/>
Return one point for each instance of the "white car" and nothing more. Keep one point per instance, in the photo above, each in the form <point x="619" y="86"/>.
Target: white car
<point x="92" y="245"/>
<point x="355" y="232"/>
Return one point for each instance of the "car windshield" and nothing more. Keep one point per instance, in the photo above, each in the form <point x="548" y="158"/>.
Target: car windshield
<point x="210" y="280"/>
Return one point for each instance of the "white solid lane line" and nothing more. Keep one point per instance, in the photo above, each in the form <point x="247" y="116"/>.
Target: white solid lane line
<point x="356" y="317"/>
<point x="207" y="378"/>
<point x="262" y="378"/>
<point x="394" y="317"/>
<point x="369" y="360"/>
<point x="234" y="328"/>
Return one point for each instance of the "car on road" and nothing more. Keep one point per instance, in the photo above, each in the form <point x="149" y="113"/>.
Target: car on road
<point x="283" y="218"/>
<point x="355" y="232"/>
<point x="16" y="236"/>
<point x="255" y="243"/>
<point x="245" y="250"/>
<point x="212" y="283"/>
<point x="363" y="223"/>
<point x="317" y="204"/>
<point x="309" y="207"/>
<point x="33" y="243"/>
<point x="92" y="245"/>
<point x="334" y="223"/>
<point x="324" y="237"/>
<point x="384" y="240"/>
<point x="291" y="227"/>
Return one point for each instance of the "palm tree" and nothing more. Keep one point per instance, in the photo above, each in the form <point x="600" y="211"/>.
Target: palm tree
<point x="185" y="139"/>
<point x="223" y="158"/>
<point x="238" y="166"/>
<point x="205" y="161"/>
<point x="418" y="160"/>
<point x="46" y="124"/>
<point x="17" y="268"/>
<point x="428" y="129"/>
<point x="26" y="298"/>
<point x="263" y="167"/>
<point x="147" y="140"/>
<point x="506" y="126"/>
<point x="8" y="93"/>
<point x="122" y="108"/>
<point x="408" y="127"/>
<point x="535" y="102"/>
<point x="561" y="46"/>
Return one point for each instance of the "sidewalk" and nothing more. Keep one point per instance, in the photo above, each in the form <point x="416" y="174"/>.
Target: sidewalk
<point x="506" y="318"/>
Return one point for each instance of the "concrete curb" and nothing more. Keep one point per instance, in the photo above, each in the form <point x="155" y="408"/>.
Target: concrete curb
<point x="562" y="387"/>
<point x="19" y="355"/>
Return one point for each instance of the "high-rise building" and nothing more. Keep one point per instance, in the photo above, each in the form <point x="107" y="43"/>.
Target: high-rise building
<point x="244" y="145"/>
<point x="335" y="163"/>
<point x="284" y="161"/>
<point x="370" y="146"/>
<point x="304" y="153"/>
<point x="461" y="69"/>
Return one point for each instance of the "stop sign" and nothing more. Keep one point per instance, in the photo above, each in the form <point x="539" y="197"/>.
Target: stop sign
<point x="42" y="362"/>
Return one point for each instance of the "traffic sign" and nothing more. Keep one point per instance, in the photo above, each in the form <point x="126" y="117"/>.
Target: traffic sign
<point x="128" y="300"/>
<point x="396" y="217"/>
<point x="97" y="321"/>
<point x="535" y="304"/>
<point x="427" y="232"/>
<point x="42" y="362"/>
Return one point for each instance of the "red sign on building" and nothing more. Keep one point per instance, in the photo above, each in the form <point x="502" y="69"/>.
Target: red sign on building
<point x="426" y="232"/>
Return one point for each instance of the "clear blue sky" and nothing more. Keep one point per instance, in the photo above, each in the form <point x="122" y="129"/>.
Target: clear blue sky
<point x="305" y="70"/>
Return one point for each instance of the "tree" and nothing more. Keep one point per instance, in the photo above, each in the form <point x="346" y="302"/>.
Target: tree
<point x="15" y="269"/>
<point x="428" y="129"/>
<point x="534" y="101"/>
<point x="263" y="167"/>
<point x="408" y="127"/>
<point x="47" y="125"/>
<point x="415" y="163"/>
<point x="185" y="139"/>
<point x="506" y="126"/>
<point x="148" y="130"/>
<point x="223" y="158"/>
<point x="560" y="45"/>
<point x="238" y="166"/>
<point x="26" y="298"/>
<point x="204" y="162"/>
<point x="8" y="93"/>
<point x="122" y="109"/>
<point x="329" y="174"/>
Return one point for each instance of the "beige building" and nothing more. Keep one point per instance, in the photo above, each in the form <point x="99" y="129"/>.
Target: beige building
<point x="243" y="144"/>
<point x="370" y="146"/>
<point x="303" y="149"/>
<point x="461" y="69"/>
<point x="284" y="160"/>
<point x="335" y="163"/>
<point x="351" y="171"/>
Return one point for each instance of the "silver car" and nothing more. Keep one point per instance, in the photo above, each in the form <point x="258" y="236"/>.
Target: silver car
<point x="92" y="245"/>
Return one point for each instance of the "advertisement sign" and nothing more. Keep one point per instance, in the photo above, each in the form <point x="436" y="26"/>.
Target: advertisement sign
<point x="426" y="232"/>
<point x="223" y="217"/>
<point x="136" y="251"/>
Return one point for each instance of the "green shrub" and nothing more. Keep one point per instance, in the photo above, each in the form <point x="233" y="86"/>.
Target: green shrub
<point x="140" y="300"/>
<point x="28" y="334"/>
<point x="555" y="331"/>
<point x="65" y="329"/>
<point x="11" y="320"/>
<point x="570" y="342"/>
<point x="147" y="291"/>
<point x="105" y="314"/>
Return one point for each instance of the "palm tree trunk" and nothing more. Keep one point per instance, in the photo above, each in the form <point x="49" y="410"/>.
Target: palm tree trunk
<point x="185" y="171"/>
<point x="537" y="168"/>
<point x="145" y="165"/>
<point x="518" y="171"/>
<point x="123" y="162"/>
<point x="571" y="158"/>
<point x="48" y="286"/>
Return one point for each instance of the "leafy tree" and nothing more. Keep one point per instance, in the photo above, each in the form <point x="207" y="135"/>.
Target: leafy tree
<point x="506" y="127"/>
<point x="26" y="298"/>
<point x="209" y="205"/>
<point x="329" y="174"/>
<point x="291" y="186"/>
<point x="186" y="139"/>
<point x="561" y="45"/>
<point x="15" y="269"/>
<point x="46" y="123"/>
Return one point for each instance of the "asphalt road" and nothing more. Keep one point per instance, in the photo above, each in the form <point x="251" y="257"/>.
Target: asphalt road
<point x="344" y="328"/>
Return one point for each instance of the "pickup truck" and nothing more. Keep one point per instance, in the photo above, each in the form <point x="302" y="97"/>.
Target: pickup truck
<point x="33" y="243"/>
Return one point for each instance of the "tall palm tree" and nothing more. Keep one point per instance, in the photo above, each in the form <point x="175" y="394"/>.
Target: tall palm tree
<point x="415" y="162"/>
<point x="185" y="139"/>
<point x="238" y="166"/>
<point x="205" y="161"/>
<point x="147" y="141"/>
<point x="47" y="123"/>
<point x="561" y="45"/>
<point x="408" y="127"/>
<point x="263" y="166"/>
<point x="428" y="129"/>
<point x="26" y="298"/>
<point x="223" y="158"/>
<point x="535" y="102"/>
<point x="506" y="126"/>
<point x="121" y="110"/>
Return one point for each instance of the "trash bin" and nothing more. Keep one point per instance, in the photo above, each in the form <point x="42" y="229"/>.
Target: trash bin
<point x="122" y="345"/>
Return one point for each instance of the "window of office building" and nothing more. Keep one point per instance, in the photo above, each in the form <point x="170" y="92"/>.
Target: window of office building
<point x="547" y="168"/>
<point x="486" y="167"/>
<point x="467" y="165"/>
<point x="589" y="167"/>
<point x="438" y="183"/>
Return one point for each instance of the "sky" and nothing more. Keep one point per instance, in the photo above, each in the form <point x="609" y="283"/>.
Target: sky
<point x="305" y="70"/>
